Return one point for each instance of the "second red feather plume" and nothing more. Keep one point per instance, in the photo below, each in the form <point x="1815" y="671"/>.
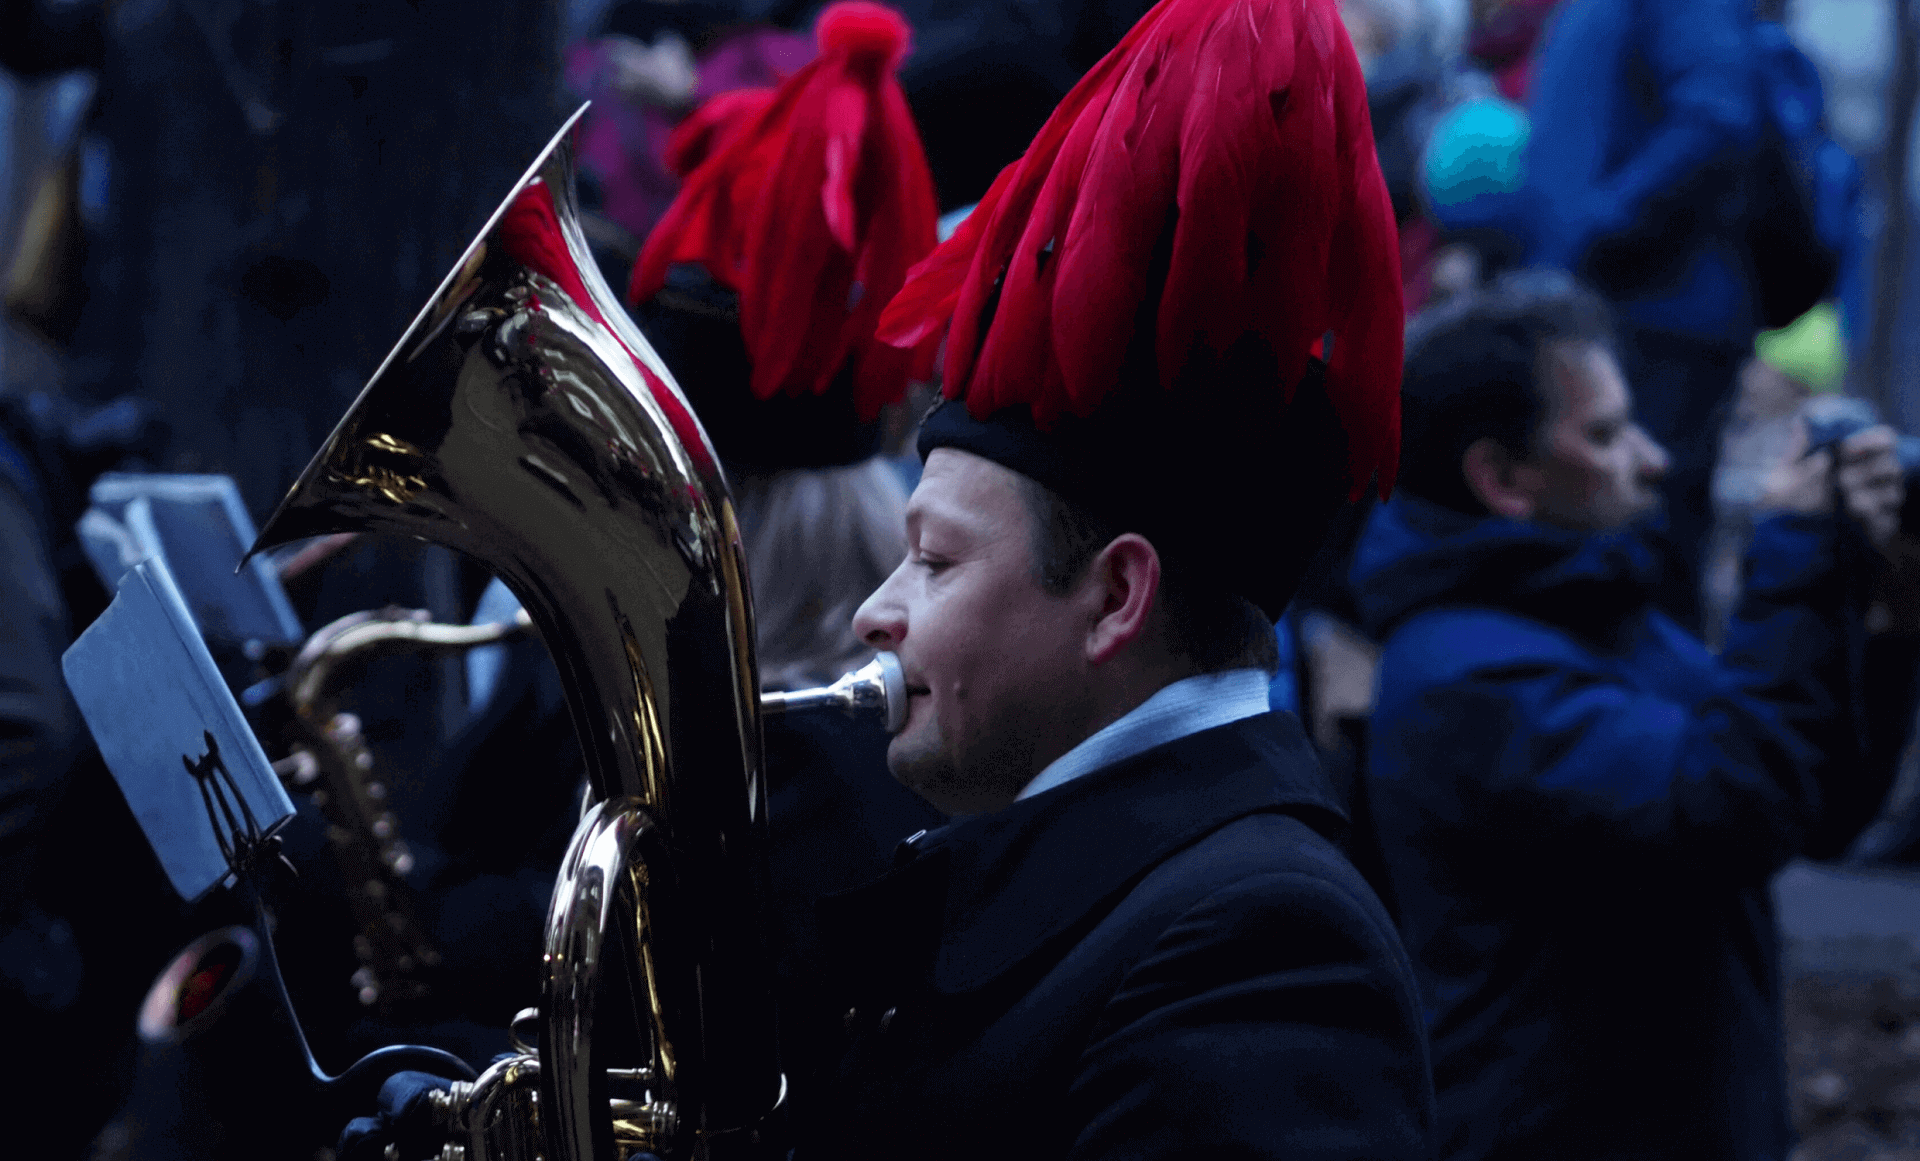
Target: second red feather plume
<point x="811" y="202"/>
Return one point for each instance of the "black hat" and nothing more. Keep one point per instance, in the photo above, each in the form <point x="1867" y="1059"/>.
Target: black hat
<point x="1180" y="308"/>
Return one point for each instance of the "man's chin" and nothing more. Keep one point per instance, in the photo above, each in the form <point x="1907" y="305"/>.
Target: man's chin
<point x="916" y="765"/>
<point x="929" y="772"/>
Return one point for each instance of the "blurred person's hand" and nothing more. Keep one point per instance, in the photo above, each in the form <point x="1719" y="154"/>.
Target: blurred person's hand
<point x="1872" y="486"/>
<point x="1868" y="474"/>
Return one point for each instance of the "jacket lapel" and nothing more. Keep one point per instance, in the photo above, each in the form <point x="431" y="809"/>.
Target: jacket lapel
<point x="977" y="897"/>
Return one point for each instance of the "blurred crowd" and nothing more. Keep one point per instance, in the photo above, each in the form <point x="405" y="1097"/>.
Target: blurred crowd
<point x="1639" y="625"/>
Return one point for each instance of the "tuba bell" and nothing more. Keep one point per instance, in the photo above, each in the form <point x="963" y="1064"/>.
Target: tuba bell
<point x="523" y="420"/>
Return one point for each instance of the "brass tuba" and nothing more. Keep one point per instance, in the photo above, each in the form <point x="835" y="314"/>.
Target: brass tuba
<point x="523" y="419"/>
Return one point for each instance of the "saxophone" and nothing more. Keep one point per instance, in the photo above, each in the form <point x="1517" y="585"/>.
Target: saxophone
<point x="327" y="757"/>
<point x="522" y="419"/>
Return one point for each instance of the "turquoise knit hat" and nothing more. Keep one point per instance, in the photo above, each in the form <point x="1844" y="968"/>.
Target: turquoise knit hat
<point x="1478" y="147"/>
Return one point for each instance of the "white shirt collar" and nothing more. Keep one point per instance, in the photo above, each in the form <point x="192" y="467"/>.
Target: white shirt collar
<point x="1187" y="706"/>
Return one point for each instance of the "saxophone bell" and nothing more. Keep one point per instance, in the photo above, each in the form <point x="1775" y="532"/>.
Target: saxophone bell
<point x="220" y="1047"/>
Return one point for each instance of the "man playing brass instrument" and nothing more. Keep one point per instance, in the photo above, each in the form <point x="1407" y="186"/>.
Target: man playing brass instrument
<point x="1139" y="937"/>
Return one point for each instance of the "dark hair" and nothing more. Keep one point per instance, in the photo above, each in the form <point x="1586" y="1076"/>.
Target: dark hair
<point x="1207" y="626"/>
<point x="1474" y="369"/>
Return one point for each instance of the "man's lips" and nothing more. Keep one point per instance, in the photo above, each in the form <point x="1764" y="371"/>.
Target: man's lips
<point x="911" y="710"/>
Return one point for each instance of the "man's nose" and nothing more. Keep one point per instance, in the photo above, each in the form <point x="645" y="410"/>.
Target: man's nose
<point x="881" y="620"/>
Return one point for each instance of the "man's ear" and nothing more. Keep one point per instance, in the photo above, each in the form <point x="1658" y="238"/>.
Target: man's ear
<point x="1499" y="481"/>
<point x="1121" y="585"/>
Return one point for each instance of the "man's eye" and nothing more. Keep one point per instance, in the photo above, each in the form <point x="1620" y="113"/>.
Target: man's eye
<point x="930" y="563"/>
<point x="1603" y="435"/>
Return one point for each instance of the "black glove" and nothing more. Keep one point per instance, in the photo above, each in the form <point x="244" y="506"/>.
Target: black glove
<point x="407" y="1118"/>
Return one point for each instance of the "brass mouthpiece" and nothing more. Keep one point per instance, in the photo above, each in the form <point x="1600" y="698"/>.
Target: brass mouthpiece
<point x="879" y="684"/>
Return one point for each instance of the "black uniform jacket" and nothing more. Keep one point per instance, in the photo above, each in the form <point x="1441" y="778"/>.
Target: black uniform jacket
<point x="1168" y="957"/>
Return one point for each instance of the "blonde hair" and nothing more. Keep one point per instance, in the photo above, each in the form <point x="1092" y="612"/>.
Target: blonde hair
<point x="818" y="541"/>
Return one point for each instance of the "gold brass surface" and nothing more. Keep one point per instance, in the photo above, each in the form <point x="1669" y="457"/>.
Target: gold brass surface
<point x="523" y="420"/>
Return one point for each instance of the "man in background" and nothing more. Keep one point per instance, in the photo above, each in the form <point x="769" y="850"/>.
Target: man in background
<point x="1578" y="805"/>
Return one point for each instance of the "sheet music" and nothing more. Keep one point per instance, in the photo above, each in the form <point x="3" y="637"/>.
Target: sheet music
<point x="171" y="732"/>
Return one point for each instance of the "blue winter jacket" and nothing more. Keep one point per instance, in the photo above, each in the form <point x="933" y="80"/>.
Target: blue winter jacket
<point x="1643" y="109"/>
<point x="1579" y="808"/>
<point x="1646" y="117"/>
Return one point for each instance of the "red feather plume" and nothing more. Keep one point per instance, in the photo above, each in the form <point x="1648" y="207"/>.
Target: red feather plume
<point x="811" y="202"/>
<point x="1241" y="126"/>
<point x="708" y="129"/>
